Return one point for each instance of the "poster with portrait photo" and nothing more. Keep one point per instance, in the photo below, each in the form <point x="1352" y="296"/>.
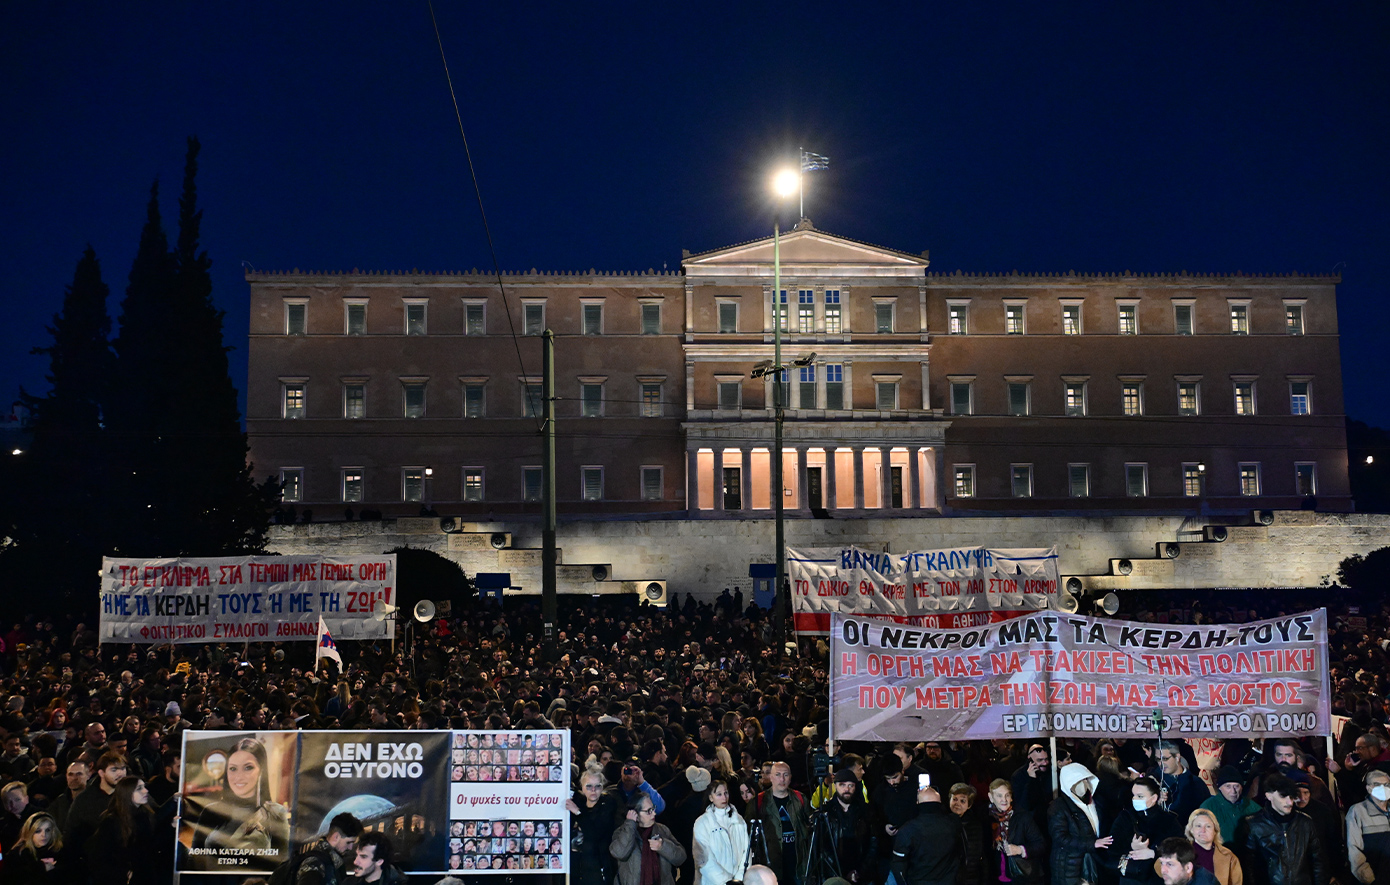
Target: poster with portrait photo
<point x="507" y="792"/>
<point x="394" y="782"/>
<point x="238" y="792"/>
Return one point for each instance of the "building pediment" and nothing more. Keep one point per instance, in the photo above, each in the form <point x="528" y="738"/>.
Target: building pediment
<point x="806" y="252"/>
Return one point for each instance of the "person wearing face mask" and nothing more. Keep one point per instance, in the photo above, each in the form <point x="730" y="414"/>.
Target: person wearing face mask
<point x="1280" y="845"/>
<point x="1073" y="825"/>
<point x="1138" y="832"/>
<point x="1368" y="831"/>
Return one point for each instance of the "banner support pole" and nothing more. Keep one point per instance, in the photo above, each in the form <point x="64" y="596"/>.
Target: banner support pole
<point x="1331" y="779"/>
<point x="1052" y="749"/>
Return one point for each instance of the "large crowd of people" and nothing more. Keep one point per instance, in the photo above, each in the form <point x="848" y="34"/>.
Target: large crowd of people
<point x="698" y="744"/>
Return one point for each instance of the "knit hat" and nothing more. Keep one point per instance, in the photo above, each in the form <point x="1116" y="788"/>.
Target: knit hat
<point x="1229" y="774"/>
<point x="699" y="778"/>
<point x="172" y="709"/>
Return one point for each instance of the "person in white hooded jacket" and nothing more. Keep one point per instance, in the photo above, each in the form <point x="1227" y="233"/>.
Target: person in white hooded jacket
<point x="1073" y="826"/>
<point x="721" y="839"/>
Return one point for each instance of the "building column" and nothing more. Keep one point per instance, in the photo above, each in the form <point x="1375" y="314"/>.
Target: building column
<point x="718" y="479"/>
<point x="885" y="477"/>
<point x="745" y="479"/>
<point x="858" y="478"/>
<point x="828" y="480"/>
<point x="914" y="476"/>
<point x="848" y="364"/>
<point x="926" y="385"/>
<point x="803" y="502"/>
<point x="692" y="481"/>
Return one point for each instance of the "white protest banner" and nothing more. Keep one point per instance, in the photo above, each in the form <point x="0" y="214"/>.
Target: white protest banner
<point x="953" y="587"/>
<point x="1054" y="674"/>
<point x="244" y="598"/>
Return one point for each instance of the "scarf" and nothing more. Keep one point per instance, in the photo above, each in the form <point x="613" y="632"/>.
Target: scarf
<point x="999" y="829"/>
<point x="651" y="861"/>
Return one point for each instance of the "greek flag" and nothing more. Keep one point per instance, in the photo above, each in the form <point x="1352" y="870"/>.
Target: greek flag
<point x="327" y="647"/>
<point x="811" y="162"/>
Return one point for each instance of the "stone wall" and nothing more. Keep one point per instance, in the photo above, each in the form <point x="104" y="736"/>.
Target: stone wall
<point x="1299" y="549"/>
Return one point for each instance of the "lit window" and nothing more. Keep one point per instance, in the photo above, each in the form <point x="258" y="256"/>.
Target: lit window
<point x="534" y="315"/>
<point x="352" y="484"/>
<point x="413" y="484"/>
<point x="730" y="396"/>
<point x="1305" y="479"/>
<point x="1240" y="319"/>
<point x="295" y="322"/>
<point x="1194" y="480"/>
<point x="781" y="389"/>
<point x="1300" y="402"/>
<point x="728" y="316"/>
<point x="883" y="316"/>
<point x="1293" y="319"/>
<point x="414" y="400"/>
<point x="415" y="318"/>
<point x="592" y="478"/>
<point x="806" y="310"/>
<point x="531" y="483"/>
<point x="292" y="485"/>
<point x="1129" y="319"/>
<point x="356" y="319"/>
<point x="1250" y="480"/>
<point x="1075" y="404"/>
<point x="1079" y="480"/>
<point x="651" y="484"/>
<point x="1136" y="480"/>
<point x="651" y="319"/>
<point x="294" y="401"/>
<point x="1188" y="402"/>
<point x="834" y="386"/>
<point x="473" y="400"/>
<point x="534" y="405"/>
<point x="1245" y="397"/>
<point x="1182" y="319"/>
<point x="590" y="400"/>
<point x="961" y="397"/>
<point x="651" y="400"/>
<point x="474" y="319"/>
<point x="1132" y="398"/>
<point x="1013" y="319"/>
<point x="1018" y="398"/>
<point x="832" y="312"/>
<point x="472" y="483"/>
<point x="886" y="395"/>
<point x="1071" y="319"/>
<point x="1021" y="480"/>
<point x="593" y="319"/>
<point x="957" y="319"/>
<point x="354" y="401"/>
<point x="780" y="310"/>
<point x="964" y="480"/>
<point x="806" y="388"/>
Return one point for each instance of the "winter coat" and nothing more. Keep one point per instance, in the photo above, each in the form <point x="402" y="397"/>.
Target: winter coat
<point x="590" y="862"/>
<point x="626" y="849"/>
<point x="928" y="849"/>
<point x="1368" y="843"/>
<point x="113" y="862"/>
<point x="1022" y="831"/>
<point x="1071" y="830"/>
<point x="1155" y="824"/>
<point x="764" y="807"/>
<point x="720" y="846"/>
<point x="1281" y="850"/>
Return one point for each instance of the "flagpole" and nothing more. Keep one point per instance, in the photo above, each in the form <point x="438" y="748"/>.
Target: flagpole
<point x="801" y="183"/>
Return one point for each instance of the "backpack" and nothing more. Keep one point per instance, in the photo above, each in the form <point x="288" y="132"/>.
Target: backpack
<point x="288" y="872"/>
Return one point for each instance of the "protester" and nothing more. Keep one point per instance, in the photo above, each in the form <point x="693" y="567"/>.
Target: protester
<point x="1230" y="804"/>
<point x="122" y="849"/>
<point x="1031" y="785"/>
<point x="1180" y="790"/>
<point x="720" y="839"/>
<point x="1177" y="864"/>
<point x="1368" y="831"/>
<point x="594" y="816"/>
<point x="975" y="828"/>
<point x="14" y="811"/>
<point x="1016" y="848"/>
<point x="372" y="860"/>
<point x="1204" y="832"/>
<point x="1279" y="845"/>
<point x="1073" y="827"/>
<point x="847" y="828"/>
<point x="323" y="861"/>
<point x="90" y="805"/>
<point x="33" y="859"/>
<point x="1137" y="833"/>
<point x="646" y="851"/>
<point x="785" y="817"/>
<point x="929" y="848"/>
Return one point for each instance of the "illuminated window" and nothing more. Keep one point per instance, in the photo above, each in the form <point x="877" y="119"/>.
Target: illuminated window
<point x="294" y="401"/>
<point x="1293" y="319"/>
<point x="1132" y="398"/>
<point x="413" y="484"/>
<point x="1129" y="319"/>
<point x="779" y="309"/>
<point x="472" y="483"/>
<point x="806" y="310"/>
<point x="1188" y="401"/>
<point x="1071" y="319"/>
<point x="1250" y="479"/>
<point x="1075" y="404"/>
<point x="352" y="484"/>
<point x="1245" y="397"/>
<point x="292" y="485"/>
<point x="1013" y="319"/>
<point x="1240" y="319"/>
<point x="1194" y="480"/>
<point x="964" y="480"/>
<point x="957" y="319"/>
<point x="1300" y="400"/>
<point x="354" y="400"/>
<point x="832" y="312"/>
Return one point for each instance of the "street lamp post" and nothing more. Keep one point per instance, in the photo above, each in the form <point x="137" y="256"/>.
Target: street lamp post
<point x="785" y="182"/>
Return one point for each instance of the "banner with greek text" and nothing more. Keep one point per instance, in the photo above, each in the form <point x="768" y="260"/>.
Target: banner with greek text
<point x="244" y="598"/>
<point x="954" y="587"/>
<point x="1054" y="674"/>
<point x="449" y="801"/>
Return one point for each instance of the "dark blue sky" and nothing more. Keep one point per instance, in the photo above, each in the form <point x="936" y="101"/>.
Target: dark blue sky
<point x="1210" y="137"/>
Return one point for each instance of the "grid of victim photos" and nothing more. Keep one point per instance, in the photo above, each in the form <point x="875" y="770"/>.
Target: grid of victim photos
<point x="506" y="845"/>
<point x="515" y="758"/>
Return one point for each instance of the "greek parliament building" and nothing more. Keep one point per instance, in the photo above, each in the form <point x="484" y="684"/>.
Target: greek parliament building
<point x="1195" y="398"/>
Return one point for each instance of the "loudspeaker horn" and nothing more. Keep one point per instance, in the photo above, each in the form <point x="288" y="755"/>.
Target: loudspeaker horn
<point x="424" y="610"/>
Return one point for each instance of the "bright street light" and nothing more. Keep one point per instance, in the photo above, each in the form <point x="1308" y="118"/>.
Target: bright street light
<point x="785" y="183"/>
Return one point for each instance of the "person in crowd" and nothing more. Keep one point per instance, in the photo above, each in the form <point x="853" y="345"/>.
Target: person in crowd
<point x="1137" y="833"/>
<point x="631" y="782"/>
<point x="76" y="780"/>
<point x="1073" y="828"/>
<point x="372" y="858"/>
<point x="1016" y="849"/>
<point x="1279" y="844"/>
<point x="33" y="859"/>
<point x="45" y="786"/>
<point x="15" y="763"/>
<point x="324" y="861"/>
<point x="1031" y="784"/>
<point x="122" y="849"/>
<point x="975" y="829"/>
<point x="1371" y="751"/>
<point x="245" y="817"/>
<point x="1204" y="832"/>
<point x="14" y="810"/>
<point x="759" y="875"/>
<point x="720" y="839"/>
<point x="1180" y="790"/>
<point x="1230" y="803"/>
<point x="682" y="816"/>
<point x="891" y="804"/>
<point x="89" y="806"/>
<point x="594" y="814"/>
<point x="1368" y="831"/>
<point x="646" y="851"/>
<point x="929" y="848"/>
<point x="1177" y="864"/>
<point x="785" y="816"/>
<point x="847" y="820"/>
<point x="1328" y="823"/>
<point x="938" y="763"/>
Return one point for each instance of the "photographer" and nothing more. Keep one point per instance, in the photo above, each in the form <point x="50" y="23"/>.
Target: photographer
<point x="631" y="783"/>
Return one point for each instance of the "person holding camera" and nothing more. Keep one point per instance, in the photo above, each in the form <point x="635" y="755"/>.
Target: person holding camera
<point x="646" y="851"/>
<point x="1138" y="832"/>
<point x="930" y="847"/>
<point x="631" y="784"/>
